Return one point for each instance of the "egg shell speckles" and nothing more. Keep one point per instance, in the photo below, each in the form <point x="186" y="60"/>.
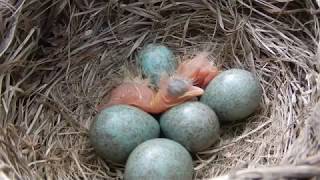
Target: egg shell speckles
<point x="156" y="59"/>
<point x="192" y="124"/>
<point x="159" y="159"/>
<point x="117" y="130"/>
<point x="234" y="95"/>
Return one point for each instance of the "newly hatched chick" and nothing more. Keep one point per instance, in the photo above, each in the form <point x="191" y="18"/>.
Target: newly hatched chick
<point x="172" y="91"/>
<point x="198" y="69"/>
<point x="188" y="82"/>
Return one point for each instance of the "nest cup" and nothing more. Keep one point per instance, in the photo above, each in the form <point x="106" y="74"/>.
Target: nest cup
<point x="59" y="58"/>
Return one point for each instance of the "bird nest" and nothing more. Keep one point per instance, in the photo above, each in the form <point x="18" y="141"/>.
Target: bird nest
<point x="59" y="58"/>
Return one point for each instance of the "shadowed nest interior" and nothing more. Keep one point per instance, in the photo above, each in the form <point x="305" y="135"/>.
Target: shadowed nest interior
<point x="60" y="57"/>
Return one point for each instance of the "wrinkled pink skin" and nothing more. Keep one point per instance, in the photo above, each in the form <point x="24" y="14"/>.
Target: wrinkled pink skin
<point x="145" y="98"/>
<point x="198" y="71"/>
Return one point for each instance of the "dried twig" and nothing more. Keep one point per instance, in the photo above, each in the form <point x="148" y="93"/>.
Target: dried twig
<point x="273" y="173"/>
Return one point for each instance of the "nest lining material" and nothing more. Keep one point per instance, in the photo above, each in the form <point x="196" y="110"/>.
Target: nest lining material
<point x="59" y="58"/>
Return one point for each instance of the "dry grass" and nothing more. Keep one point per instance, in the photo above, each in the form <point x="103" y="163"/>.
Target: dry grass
<point x="59" y="57"/>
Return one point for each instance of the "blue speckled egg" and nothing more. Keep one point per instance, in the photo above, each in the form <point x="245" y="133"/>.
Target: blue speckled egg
<point x="117" y="130"/>
<point x="192" y="124"/>
<point x="234" y="95"/>
<point x="156" y="59"/>
<point x="159" y="159"/>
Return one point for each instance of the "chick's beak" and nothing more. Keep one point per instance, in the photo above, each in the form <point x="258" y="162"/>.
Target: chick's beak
<point x="194" y="91"/>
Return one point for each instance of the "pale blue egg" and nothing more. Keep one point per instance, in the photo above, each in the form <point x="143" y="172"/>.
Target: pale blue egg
<point x="159" y="159"/>
<point x="117" y="130"/>
<point x="234" y="95"/>
<point x="156" y="59"/>
<point x="193" y="124"/>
